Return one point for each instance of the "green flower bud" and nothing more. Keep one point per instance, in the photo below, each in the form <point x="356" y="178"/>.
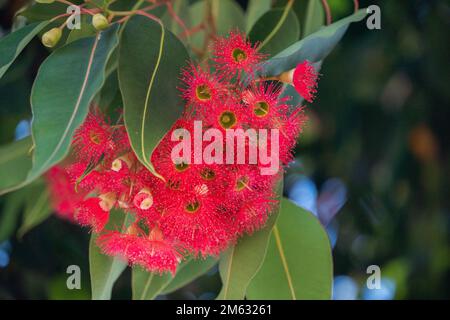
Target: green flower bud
<point x="100" y="22"/>
<point x="51" y="37"/>
<point x="45" y="1"/>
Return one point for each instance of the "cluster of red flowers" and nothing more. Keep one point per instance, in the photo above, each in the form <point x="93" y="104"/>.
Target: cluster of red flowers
<point x="198" y="209"/>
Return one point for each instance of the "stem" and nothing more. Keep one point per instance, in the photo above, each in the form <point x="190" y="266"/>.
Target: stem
<point x="356" y="5"/>
<point x="177" y="19"/>
<point x="60" y="16"/>
<point x="326" y="7"/>
<point x="279" y="24"/>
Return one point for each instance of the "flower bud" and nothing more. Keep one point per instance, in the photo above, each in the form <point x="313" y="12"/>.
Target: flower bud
<point x="287" y="76"/>
<point x="51" y="37"/>
<point x="100" y="22"/>
<point x="143" y="200"/>
<point x="118" y="163"/>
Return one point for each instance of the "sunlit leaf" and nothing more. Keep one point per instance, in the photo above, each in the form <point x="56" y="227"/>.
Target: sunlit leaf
<point x="298" y="263"/>
<point x="150" y="62"/>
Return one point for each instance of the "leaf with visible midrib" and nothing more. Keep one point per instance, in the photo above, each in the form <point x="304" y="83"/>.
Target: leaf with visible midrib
<point x="150" y="62"/>
<point x="188" y="272"/>
<point x="105" y="270"/>
<point x="314" y="47"/>
<point x="13" y="44"/>
<point x="275" y="30"/>
<point x="239" y="264"/>
<point x="298" y="263"/>
<point x="65" y="85"/>
<point x="147" y="285"/>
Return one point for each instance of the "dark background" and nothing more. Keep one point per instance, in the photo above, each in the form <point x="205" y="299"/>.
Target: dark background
<point x="373" y="164"/>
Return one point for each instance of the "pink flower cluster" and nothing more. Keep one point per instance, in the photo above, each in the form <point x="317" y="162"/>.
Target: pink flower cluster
<point x="197" y="209"/>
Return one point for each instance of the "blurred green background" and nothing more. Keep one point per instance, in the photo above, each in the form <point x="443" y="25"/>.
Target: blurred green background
<point x="373" y="164"/>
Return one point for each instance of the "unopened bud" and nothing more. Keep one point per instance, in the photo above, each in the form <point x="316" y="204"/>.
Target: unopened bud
<point x="51" y="37"/>
<point x="117" y="164"/>
<point x="143" y="200"/>
<point x="100" y="22"/>
<point x="287" y="76"/>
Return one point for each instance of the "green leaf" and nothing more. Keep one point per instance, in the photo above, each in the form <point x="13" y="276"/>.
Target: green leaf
<point x="239" y="264"/>
<point x="181" y="9"/>
<point x="37" y="208"/>
<point x="11" y="209"/>
<point x="65" y="85"/>
<point x="86" y="30"/>
<point x="314" y="48"/>
<point x="15" y="162"/>
<point x="147" y="285"/>
<point x="42" y="12"/>
<point x="314" y="17"/>
<point x="188" y="271"/>
<point x="228" y="15"/>
<point x="255" y="9"/>
<point x="298" y="263"/>
<point x="150" y="61"/>
<point x="105" y="270"/>
<point x="13" y="44"/>
<point x="275" y="30"/>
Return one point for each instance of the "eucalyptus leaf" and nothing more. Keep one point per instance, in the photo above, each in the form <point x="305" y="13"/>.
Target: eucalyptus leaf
<point x="227" y="15"/>
<point x="239" y="264"/>
<point x="37" y="208"/>
<point x="15" y="162"/>
<point x="105" y="270"/>
<point x="66" y="83"/>
<point x="147" y="285"/>
<point x="255" y="9"/>
<point x="275" y="30"/>
<point x="86" y="30"/>
<point x="298" y="263"/>
<point x="188" y="271"/>
<point x="314" y="47"/>
<point x="181" y="10"/>
<point x="13" y="204"/>
<point x="314" y="17"/>
<point x="150" y="62"/>
<point x="13" y="44"/>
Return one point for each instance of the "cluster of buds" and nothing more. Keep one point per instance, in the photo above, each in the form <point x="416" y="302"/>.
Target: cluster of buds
<point x="52" y="37"/>
<point x="198" y="208"/>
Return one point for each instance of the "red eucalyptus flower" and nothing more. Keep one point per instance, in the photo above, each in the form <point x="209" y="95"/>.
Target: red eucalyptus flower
<point x="200" y="207"/>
